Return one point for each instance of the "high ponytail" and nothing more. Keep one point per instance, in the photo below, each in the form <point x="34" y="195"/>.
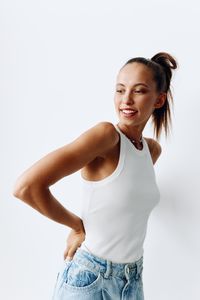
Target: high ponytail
<point x="161" y="117"/>
<point x="161" y="65"/>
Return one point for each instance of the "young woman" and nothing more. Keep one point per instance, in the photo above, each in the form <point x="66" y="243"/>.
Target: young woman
<point x="104" y="253"/>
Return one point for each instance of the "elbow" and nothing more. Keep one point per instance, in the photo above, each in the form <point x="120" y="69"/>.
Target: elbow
<point x="28" y="193"/>
<point x="20" y="193"/>
<point x="21" y="190"/>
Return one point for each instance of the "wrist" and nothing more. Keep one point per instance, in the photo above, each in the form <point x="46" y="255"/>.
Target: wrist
<point x="78" y="225"/>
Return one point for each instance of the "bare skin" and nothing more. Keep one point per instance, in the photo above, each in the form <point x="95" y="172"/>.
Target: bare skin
<point x="96" y="160"/>
<point x="141" y="98"/>
<point x="129" y="94"/>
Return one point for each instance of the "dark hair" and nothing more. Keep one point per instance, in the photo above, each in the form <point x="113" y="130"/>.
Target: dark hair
<point x="160" y="65"/>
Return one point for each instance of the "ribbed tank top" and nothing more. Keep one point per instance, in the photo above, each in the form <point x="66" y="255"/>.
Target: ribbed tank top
<point x="115" y="210"/>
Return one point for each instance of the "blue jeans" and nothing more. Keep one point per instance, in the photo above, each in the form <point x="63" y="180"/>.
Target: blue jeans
<point x="89" y="277"/>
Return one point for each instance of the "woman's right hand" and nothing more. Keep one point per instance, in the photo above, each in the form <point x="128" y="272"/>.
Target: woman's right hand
<point x="74" y="240"/>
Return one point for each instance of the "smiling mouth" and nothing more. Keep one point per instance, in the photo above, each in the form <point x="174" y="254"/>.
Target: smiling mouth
<point x="128" y="112"/>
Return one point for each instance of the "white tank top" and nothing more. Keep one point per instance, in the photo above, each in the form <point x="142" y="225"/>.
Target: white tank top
<point x="115" y="210"/>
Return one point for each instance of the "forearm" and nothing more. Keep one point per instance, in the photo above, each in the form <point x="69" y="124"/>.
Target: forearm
<point x="44" y="202"/>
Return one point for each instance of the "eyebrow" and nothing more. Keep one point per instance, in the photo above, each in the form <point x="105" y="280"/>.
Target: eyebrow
<point x="139" y="83"/>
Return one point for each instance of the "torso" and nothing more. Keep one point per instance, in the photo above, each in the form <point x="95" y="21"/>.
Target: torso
<point x="101" y="167"/>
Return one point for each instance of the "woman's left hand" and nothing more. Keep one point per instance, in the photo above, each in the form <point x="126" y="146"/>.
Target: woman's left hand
<point x="74" y="240"/>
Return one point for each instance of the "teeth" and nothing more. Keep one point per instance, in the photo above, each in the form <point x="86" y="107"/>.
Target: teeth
<point x="127" y="111"/>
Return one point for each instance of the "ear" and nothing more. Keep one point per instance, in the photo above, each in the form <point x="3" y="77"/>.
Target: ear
<point x="160" y="100"/>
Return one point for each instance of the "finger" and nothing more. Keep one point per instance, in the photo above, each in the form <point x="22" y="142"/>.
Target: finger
<point x="71" y="252"/>
<point x="68" y="258"/>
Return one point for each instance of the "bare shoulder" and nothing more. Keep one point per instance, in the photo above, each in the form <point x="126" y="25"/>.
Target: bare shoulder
<point x="105" y="132"/>
<point x="154" y="148"/>
<point x="108" y="128"/>
<point x="109" y="136"/>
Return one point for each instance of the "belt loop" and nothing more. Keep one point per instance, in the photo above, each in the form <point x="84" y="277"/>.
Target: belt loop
<point x="137" y="271"/>
<point x="108" y="268"/>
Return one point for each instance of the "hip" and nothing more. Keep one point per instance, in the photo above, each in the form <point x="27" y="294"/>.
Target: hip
<point x="88" y="276"/>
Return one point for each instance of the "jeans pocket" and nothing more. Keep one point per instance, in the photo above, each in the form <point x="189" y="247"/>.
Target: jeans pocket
<point x="80" y="277"/>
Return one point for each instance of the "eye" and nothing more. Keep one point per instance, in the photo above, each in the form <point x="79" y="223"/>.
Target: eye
<point x="138" y="91"/>
<point x="119" y="91"/>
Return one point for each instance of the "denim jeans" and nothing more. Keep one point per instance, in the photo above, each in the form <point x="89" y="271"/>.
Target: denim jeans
<point x="89" y="277"/>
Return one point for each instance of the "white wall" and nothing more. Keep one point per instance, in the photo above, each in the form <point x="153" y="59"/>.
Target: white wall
<point x="58" y="65"/>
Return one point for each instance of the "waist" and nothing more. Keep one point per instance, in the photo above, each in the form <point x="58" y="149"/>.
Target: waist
<point x="108" y="267"/>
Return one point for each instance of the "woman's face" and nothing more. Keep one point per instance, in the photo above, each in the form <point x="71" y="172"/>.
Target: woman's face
<point x="136" y="91"/>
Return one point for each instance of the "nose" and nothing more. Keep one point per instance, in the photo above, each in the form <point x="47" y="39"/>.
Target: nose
<point x="127" y="98"/>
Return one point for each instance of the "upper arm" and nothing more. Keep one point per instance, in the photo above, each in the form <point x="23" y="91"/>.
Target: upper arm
<point x="155" y="149"/>
<point x="70" y="157"/>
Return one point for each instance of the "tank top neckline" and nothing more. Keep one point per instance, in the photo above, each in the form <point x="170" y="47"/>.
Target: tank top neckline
<point x="137" y="151"/>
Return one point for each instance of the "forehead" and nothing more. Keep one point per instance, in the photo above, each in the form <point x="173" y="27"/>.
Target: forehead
<point x="133" y="73"/>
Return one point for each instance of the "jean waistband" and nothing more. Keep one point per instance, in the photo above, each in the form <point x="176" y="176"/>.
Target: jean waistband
<point x="107" y="267"/>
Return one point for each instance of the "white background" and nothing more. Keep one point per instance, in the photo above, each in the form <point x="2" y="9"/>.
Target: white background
<point x="58" y="65"/>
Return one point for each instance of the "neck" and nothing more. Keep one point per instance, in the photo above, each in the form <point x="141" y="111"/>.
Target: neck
<point x="134" y="136"/>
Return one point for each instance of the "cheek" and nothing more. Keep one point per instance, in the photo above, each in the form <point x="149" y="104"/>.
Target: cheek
<point x="147" y="110"/>
<point x="144" y="108"/>
<point x="146" y="103"/>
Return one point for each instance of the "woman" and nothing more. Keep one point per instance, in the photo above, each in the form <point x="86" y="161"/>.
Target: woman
<point x="104" y="253"/>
